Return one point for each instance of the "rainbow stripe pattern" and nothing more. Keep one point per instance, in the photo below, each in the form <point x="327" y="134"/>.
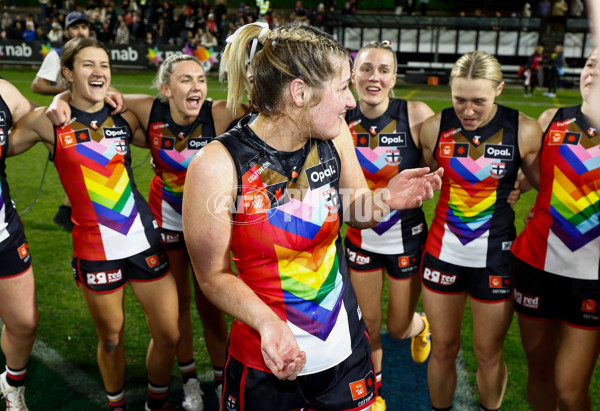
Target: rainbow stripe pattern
<point x="108" y="185"/>
<point x="575" y="195"/>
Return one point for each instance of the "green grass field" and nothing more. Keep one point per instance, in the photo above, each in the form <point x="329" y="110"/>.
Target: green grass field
<point x="65" y="324"/>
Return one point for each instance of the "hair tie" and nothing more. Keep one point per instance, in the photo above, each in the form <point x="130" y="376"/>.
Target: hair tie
<point x="263" y="31"/>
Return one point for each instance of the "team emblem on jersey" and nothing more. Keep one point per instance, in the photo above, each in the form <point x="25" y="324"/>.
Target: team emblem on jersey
<point x="322" y="174"/>
<point x="332" y="199"/>
<point x="392" y="157"/>
<point x="231" y="403"/>
<point x="454" y="150"/>
<point x="362" y="140"/>
<point x="392" y="140"/>
<point x="498" y="170"/>
<point x="2" y="119"/>
<point x="167" y="143"/>
<point x="559" y="137"/>
<point x="121" y="146"/>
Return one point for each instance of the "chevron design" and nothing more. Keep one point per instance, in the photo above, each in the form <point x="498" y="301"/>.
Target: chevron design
<point x="575" y="195"/>
<point x="471" y="206"/>
<point x="108" y="186"/>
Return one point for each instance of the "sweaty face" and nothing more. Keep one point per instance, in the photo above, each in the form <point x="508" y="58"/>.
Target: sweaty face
<point x="374" y="75"/>
<point x="327" y="116"/>
<point x="473" y="101"/>
<point x="186" y="91"/>
<point x="90" y="76"/>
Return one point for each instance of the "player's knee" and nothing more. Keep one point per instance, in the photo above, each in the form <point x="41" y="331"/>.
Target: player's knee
<point x="574" y="395"/>
<point x="399" y="330"/>
<point x="488" y="355"/>
<point x="110" y="345"/>
<point x="445" y="351"/>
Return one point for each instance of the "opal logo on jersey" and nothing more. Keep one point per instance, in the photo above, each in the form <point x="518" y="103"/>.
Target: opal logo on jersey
<point x="104" y="277"/>
<point x="197" y="143"/>
<point x="499" y="151"/>
<point x="392" y="139"/>
<point x="438" y="277"/>
<point x="115" y="132"/>
<point x="322" y="174"/>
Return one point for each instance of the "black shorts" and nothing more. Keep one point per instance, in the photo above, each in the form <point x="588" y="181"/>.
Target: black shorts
<point x="350" y="385"/>
<point x="109" y="276"/>
<point x="482" y="283"/>
<point x="546" y="296"/>
<point x="14" y="254"/>
<point x="172" y="240"/>
<point x="398" y="266"/>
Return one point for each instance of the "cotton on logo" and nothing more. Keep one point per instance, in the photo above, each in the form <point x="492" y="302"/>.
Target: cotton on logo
<point x="23" y="251"/>
<point x="358" y="389"/>
<point x="495" y="281"/>
<point x="152" y="261"/>
<point x="589" y="306"/>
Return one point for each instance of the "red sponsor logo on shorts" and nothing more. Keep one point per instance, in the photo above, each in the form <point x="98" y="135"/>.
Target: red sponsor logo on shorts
<point x="152" y="261"/>
<point x="358" y="389"/>
<point x="404" y="261"/>
<point x="23" y="251"/>
<point x="495" y="281"/>
<point x="589" y="306"/>
<point x="357" y="258"/>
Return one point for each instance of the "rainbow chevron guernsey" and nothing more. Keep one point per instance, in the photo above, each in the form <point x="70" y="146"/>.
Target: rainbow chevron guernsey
<point x="93" y="161"/>
<point x="565" y="229"/>
<point x="173" y="147"/>
<point x="472" y="216"/>
<point x="286" y="247"/>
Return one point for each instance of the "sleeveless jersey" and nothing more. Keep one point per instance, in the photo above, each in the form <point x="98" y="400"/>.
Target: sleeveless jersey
<point x="563" y="236"/>
<point x="473" y="225"/>
<point x="173" y="147"/>
<point x="9" y="219"/>
<point x="287" y="248"/>
<point x="92" y="156"/>
<point x="384" y="147"/>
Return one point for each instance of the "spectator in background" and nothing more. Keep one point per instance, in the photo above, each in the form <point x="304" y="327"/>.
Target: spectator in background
<point x="347" y="8"/>
<point x="220" y="11"/>
<point x="555" y="70"/>
<point x="423" y="7"/>
<point x="122" y="36"/>
<point x="209" y="40"/>
<point x="6" y="21"/>
<point x="211" y="24"/>
<point x="56" y="33"/>
<point x="175" y="32"/>
<point x="527" y="10"/>
<point x="29" y="32"/>
<point x="17" y="31"/>
<point x="577" y="8"/>
<point x="543" y="8"/>
<point x="535" y="65"/>
<point x="560" y="8"/>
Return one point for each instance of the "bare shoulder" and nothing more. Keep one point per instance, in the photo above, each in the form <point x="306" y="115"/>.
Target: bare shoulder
<point x="546" y="117"/>
<point x="418" y="111"/>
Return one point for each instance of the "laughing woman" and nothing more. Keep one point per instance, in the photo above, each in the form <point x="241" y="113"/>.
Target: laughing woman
<point x="115" y="233"/>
